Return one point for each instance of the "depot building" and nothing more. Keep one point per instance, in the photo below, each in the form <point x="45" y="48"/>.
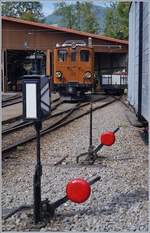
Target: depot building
<point x="27" y="47"/>
<point x="139" y="54"/>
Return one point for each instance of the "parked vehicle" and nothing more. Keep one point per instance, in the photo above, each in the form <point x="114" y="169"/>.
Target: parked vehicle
<point x="114" y="83"/>
<point x="73" y="68"/>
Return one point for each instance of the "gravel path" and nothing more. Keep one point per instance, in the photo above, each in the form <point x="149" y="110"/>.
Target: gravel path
<point x="118" y="202"/>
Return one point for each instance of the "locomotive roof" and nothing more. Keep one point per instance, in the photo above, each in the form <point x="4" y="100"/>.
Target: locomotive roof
<point x="71" y="43"/>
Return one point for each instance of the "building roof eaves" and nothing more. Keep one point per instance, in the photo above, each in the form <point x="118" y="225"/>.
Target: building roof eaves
<point x="46" y="26"/>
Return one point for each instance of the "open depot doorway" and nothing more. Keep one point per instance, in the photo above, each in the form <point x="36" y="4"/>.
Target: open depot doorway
<point x="22" y="62"/>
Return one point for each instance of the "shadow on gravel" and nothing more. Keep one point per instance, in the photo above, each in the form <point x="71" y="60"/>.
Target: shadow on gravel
<point x="144" y="135"/>
<point x="124" y="200"/>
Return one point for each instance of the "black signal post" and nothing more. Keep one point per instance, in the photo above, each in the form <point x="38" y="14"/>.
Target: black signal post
<point x="37" y="176"/>
<point x="36" y="106"/>
<point x="91" y="125"/>
<point x="107" y="138"/>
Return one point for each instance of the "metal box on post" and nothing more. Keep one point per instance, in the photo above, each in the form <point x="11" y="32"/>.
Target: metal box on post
<point x="36" y="97"/>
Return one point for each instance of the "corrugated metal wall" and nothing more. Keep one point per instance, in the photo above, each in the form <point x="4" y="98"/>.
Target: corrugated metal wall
<point x="133" y="55"/>
<point x="133" y="67"/>
<point x="145" y="62"/>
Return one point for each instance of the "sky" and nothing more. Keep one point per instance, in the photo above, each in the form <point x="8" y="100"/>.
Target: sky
<point x="48" y="6"/>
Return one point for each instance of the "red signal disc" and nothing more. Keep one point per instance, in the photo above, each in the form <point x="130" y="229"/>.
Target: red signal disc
<point x="78" y="190"/>
<point x="107" y="138"/>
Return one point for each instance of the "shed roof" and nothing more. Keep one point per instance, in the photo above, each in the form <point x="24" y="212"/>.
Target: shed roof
<point x="62" y="29"/>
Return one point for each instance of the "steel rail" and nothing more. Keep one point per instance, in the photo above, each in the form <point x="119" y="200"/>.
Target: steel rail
<point x="55" y="126"/>
<point x="30" y="138"/>
<point x="12" y="102"/>
<point x="11" y="98"/>
<point x="11" y="120"/>
<point x="24" y="124"/>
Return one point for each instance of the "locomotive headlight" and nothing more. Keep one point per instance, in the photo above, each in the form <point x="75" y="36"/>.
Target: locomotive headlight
<point x="58" y="74"/>
<point x="87" y="75"/>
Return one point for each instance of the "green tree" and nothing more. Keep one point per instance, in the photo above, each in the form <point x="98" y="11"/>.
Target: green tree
<point x="67" y="13"/>
<point x="24" y="10"/>
<point x="110" y="21"/>
<point x="90" y="23"/>
<point x="116" y="21"/>
<point x="79" y="16"/>
<point x="123" y="11"/>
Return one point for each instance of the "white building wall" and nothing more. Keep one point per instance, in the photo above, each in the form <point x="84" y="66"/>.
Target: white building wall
<point x="130" y="58"/>
<point x="136" y="55"/>
<point x="145" y="62"/>
<point x="133" y="64"/>
<point x="133" y="54"/>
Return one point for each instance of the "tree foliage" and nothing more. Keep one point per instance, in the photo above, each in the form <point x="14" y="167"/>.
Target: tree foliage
<point x="78" y="16"/>
<point x="116" y="21"/>
<point x="90" y="23"/>
<point x="24" y="10"/>
<point x="67" y="13"/>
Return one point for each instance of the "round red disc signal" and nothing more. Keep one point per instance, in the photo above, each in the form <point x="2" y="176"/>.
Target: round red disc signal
<point x="107" y="138"/>
<point x="78" y="190"/>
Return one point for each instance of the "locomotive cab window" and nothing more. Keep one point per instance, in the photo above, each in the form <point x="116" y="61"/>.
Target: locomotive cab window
<point x="62" y="55"/>
<point x="84" y="55"/>
<point x="73" y="56"/>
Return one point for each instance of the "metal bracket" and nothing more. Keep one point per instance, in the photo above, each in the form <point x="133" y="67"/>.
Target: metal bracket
<point x="92" y="153"/>
<point x="48" y="209"/>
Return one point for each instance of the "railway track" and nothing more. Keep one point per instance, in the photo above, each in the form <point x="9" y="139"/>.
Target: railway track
<point x="19" y="117"/>
<point x="30" y="138"/>
<point x="8" y="98"/>
<point x="22" y="123"/>
<point x="60" y="123"/>
<point x="11" y="101"/>
<point x="122" y="101"/>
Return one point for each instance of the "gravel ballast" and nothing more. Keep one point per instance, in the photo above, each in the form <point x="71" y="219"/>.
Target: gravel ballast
<point x="118" y="202"/>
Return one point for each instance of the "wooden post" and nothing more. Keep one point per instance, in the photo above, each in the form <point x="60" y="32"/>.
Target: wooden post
<point x="48" y="62"/>
<point x="5" y="72"/>
<point x="2" y="70"/>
